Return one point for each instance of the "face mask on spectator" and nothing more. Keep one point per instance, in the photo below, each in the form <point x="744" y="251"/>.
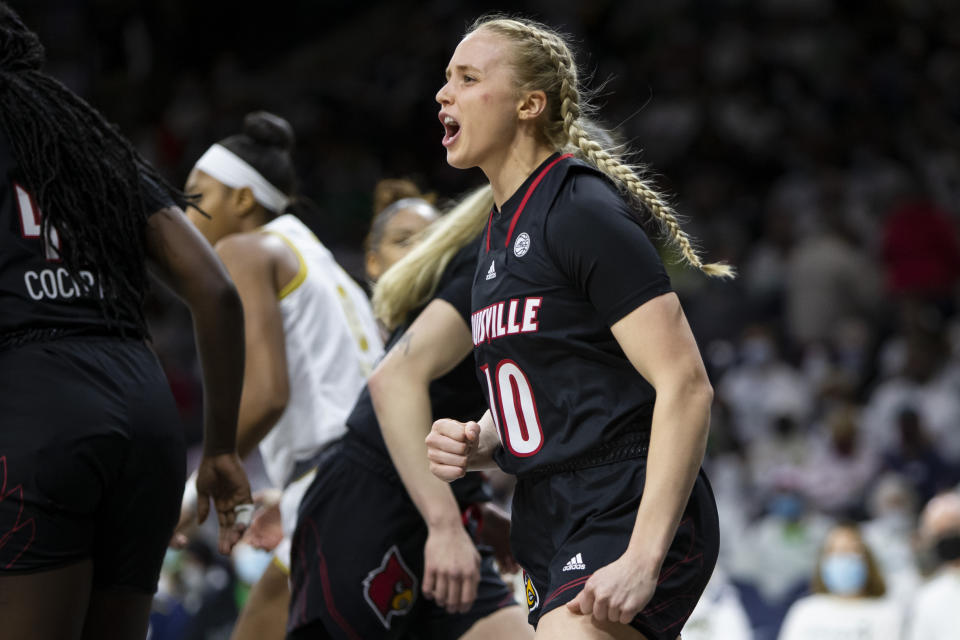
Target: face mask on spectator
<point x="948" y="547"/>
<point x="844" y="574"/>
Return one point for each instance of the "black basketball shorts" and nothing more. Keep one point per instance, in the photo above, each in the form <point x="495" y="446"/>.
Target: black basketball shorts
<point x="569" y="524"/>
<point x="357" y="558"/>
<point x="92" y="460"/>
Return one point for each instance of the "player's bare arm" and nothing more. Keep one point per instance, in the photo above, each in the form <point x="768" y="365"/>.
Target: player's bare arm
<point x="184" y="261"/>
<point x="252" y="260"/>
<point x="659" y="343"/>
<point x="433" y="345"/>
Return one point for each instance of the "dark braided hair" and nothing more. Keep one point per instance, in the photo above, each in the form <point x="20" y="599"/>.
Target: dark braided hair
<point x="89" y="182"/>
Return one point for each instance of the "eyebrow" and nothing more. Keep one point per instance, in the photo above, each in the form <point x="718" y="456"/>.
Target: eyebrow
<point x="461" y="68"/>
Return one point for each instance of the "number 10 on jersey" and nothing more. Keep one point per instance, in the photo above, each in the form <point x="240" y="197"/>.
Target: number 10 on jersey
<point x="511" y="397"/>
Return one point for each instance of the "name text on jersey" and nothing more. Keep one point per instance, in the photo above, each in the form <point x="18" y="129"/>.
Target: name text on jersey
<point x="506" y="318"/>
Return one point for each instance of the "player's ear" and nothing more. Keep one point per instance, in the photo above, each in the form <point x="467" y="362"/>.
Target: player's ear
<point x="373" y="266"/>
<point x="243" y="201"/>
<point x="532" y="105"/>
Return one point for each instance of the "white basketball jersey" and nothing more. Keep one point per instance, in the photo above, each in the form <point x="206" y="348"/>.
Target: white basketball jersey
<point x="332" y="344"/>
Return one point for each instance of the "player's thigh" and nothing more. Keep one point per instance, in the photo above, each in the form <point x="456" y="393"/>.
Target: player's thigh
<point x="47" y="605"/>
<point x="562" y="624"/>
<point x="117" y="614"/>
<point x="264" y="616"/>
<point x="509" y="622"/>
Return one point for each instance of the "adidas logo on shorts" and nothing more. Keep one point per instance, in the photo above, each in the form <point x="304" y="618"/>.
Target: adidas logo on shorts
<point x="575" y="564"/>
<point x="492" y="273"/>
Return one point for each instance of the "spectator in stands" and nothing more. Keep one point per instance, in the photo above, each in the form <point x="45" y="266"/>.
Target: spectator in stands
<point x="935" y="611"/>
<point x="847" y="599"/>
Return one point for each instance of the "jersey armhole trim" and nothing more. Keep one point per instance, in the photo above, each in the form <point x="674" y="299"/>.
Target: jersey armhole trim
<point x="301" y="274"/>
<point x="280" y="565"/>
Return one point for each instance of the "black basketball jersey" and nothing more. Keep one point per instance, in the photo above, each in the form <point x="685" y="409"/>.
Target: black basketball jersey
<point x="36" y="289"/>
<point x="455" y="394"/>
<point x="563" y="261"/>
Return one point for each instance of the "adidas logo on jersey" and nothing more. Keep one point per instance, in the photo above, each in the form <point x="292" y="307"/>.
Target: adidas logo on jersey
<point x="492" y="273"/>
<point x="575" y="564"/>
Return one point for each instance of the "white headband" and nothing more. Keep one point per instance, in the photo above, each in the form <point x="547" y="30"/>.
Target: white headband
<point x="422" y="208"/>
<point x="227" y="167"/>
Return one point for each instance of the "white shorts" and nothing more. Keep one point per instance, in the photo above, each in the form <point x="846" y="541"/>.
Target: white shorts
<point x="289" y="505"/>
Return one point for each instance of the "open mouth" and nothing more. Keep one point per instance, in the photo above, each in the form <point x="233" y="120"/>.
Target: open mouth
<point x="451" y="130"/>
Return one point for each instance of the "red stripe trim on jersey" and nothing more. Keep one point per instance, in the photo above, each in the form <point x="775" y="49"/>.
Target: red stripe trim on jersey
<point x="523" y="203"/>
<point x="526" y="196"/>
<point x="328" y="590"/>
<point x="489" y="224"/>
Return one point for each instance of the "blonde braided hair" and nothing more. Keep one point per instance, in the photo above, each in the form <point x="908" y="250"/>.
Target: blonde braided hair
<point x="543" y="61"/>
<point x="412" y="280"/>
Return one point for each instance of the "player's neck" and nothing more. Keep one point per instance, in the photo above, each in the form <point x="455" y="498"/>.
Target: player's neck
<point x="518" y="162"/>
<point x="255" y="220"/>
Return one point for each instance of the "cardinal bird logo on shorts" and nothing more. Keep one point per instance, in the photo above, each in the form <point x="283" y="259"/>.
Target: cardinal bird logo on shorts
<point x="533" y="598"/>
<point x="391" y="588"/>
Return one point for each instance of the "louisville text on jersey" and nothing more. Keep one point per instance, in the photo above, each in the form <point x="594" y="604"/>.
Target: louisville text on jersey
<point x="506" y="318"/>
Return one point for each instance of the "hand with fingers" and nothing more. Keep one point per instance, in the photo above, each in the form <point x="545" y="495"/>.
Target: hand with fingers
<point x="450" y="444"/>
<point x="617" y="592"/>
<point x="451" y="568"/>
<point x="222" y="478"/>
<point x="266" y="530"/>
<point x="188" y="514"/>
<point x="187" y="521"/>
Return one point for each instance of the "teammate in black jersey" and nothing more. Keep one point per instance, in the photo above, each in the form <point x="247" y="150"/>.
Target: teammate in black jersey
<point x="91" y="452"/>
<point x="596" y="389"/>
<point x="400" y="214"/>
<point x="366" y="551"/>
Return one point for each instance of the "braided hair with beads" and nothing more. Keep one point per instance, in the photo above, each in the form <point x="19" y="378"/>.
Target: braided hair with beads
<point x="87" y="179"/>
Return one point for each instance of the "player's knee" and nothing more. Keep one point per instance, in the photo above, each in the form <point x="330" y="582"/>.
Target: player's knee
<point x="508" y="622"/>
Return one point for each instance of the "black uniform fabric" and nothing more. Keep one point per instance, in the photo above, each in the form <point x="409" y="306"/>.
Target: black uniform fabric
<point x="91" y="457"/>
<point x="576" y="262"/>
<point x="340" y="566"/>
<point x="36" y="290"/>
<point x="91" y="463"/>
<point x="567" y="525"/>
<point x="357" y="558"/>
<point x="455" y="395"/>
<point x="562" y="261"/>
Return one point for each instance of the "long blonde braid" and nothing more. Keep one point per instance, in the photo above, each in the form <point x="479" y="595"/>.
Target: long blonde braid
<point x="567" y="129"/>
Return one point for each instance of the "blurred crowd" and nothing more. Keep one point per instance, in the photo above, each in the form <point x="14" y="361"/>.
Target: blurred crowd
<point x="814" y="144"/>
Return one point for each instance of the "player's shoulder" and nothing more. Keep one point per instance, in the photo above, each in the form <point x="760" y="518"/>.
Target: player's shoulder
<point x="586" y="188"/>
<point x="251" y="249"/>
<point x="588" y="198"/>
